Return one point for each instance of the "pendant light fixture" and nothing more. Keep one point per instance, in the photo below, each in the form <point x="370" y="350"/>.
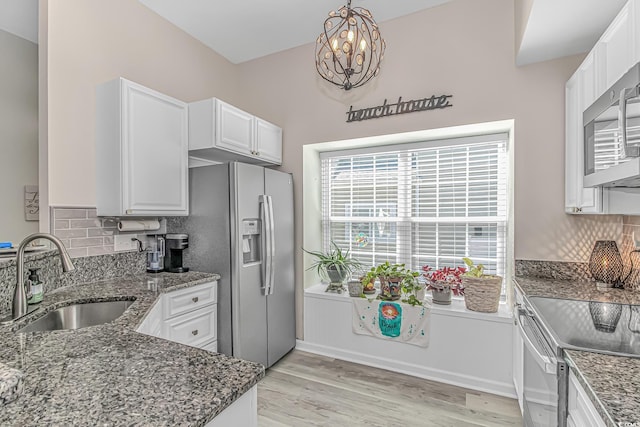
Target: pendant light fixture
<point x="350" y="49"/>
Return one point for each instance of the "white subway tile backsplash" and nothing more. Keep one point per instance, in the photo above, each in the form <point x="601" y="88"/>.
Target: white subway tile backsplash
<point x="85" y="234"/>
<point x="63" y="213"/>
<point x="71" y="233"/>
<point x="77" y="252"/>
<point x="85" y="223"/>
<point x="96" y="232"/>
<point x="61" y="224"/>
<point x="100" y="250"/>
<point x="86" y="242"/>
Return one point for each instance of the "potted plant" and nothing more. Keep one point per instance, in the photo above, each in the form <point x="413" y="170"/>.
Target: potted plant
<point x="444" y="282"/>
<point x="482" y="291"/>
<point x="335" y="266"/>
<point x="368" y="281"/>
<point x="412" y="288"/>
<point x="393" y="277"/>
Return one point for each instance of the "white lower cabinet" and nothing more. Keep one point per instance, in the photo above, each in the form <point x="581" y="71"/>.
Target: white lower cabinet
<point x="187" y="316"/>
<point x="581" y="412"/>
<point x="243" y="412"/>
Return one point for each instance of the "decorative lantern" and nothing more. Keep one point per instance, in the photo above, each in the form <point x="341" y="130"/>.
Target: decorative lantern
<point x="605" y="263"/>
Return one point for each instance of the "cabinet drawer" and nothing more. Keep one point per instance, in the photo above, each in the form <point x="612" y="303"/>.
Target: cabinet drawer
<point x="190" y="299"/>
<point x="211" y="346"/>
<point x="193" y="328"/>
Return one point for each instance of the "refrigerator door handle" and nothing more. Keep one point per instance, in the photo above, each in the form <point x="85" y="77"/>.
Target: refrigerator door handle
<point x="267" y="222"/>
<point x="272" y="242"/>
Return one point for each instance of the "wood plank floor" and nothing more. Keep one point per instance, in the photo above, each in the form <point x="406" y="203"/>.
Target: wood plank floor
<point x="304" y="389"/>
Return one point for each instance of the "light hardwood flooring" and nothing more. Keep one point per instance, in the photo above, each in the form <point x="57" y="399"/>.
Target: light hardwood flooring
<point x="304" y="389"/>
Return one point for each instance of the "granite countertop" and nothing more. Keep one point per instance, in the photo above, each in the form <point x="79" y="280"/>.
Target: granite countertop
<point x="111" y="375"/>
<point x="611" y="382"/>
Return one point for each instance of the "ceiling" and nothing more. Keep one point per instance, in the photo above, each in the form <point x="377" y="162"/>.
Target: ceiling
<point x="562" y="28"/>
<point x="20" y="17"/>
<point x="554" y="29"/>
<point x="245" y="30"/>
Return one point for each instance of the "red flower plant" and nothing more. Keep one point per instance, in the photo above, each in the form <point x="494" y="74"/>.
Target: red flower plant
<point x="446" y="277"/>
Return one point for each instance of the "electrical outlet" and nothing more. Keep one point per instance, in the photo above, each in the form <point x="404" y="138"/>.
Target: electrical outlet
<point x="123" y="242"/>
<point x="636" y="242"/>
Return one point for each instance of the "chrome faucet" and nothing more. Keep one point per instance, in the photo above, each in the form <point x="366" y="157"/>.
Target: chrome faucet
<point x="19" y="308"/>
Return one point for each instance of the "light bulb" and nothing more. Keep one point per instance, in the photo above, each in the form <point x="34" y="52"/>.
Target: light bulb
<point x="350" y="36"/>
<point x="363" y="45"/>
<point x="334" y="44"/>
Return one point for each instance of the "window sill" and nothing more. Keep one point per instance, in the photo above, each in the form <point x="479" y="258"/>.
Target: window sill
<point x="456" y="309"/>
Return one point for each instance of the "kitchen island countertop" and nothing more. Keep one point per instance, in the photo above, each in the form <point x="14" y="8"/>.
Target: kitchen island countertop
<point x="112" y="375"/>
<point x="611" y="382"/>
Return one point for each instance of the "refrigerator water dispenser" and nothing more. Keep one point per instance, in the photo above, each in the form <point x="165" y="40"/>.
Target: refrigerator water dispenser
<point x="251" y="252"/>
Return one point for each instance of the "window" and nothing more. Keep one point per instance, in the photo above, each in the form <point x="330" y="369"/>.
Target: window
<point x="419" y="203"/>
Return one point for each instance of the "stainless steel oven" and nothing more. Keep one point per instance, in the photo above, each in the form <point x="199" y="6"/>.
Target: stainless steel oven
<point x="545" y="374"/>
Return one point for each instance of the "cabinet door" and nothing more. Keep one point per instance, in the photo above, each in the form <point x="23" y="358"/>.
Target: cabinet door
<point x="234" y="130"/>
<point x="615" y="50"/>
<point x="581" y="411"/>
<point x="155" y="151"/>
<point x="268" y="141"/>
<point x="578" y="199"/>
<point x="518" y="360"/>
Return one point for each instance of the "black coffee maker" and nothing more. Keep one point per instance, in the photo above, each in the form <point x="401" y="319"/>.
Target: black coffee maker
<point x="175" y="244"/>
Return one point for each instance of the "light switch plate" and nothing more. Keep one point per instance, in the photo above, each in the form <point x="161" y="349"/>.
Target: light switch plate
<point x="123" y="242"/>
<point x="636" y="242"/>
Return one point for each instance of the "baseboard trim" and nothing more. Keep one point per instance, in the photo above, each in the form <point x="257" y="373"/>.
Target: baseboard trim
<point x="453" y="378"/>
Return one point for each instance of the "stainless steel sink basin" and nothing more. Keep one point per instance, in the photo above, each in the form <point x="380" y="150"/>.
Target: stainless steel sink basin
<point x="594" y="326"/>
<point x="78" y="316"/>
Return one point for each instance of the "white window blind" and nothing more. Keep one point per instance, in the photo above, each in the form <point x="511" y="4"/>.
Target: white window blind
<point x="420" y="203"/>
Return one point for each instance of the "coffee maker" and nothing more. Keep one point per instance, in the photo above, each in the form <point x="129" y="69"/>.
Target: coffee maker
<point x="155" y="254"/>
<point x="175" y="244"/>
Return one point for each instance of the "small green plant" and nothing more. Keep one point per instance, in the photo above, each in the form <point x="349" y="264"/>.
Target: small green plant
<point x="473" y="270"/>
<point x="335" y="259"/>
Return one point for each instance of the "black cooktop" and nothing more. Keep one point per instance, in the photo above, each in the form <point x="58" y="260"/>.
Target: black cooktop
<point x="593" y="326"/>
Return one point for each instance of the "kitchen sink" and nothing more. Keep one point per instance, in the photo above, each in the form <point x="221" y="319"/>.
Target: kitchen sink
<point x="594" y="326"/>
<point x="78" y="316"/>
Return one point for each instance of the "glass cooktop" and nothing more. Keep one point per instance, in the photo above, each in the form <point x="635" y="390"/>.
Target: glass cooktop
<point x="594" y="326"/>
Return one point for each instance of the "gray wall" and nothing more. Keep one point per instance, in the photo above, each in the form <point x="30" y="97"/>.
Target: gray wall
<point x="18" y="133"/>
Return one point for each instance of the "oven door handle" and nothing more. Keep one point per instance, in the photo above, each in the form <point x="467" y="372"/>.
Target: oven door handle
<point x="541" y="352"/>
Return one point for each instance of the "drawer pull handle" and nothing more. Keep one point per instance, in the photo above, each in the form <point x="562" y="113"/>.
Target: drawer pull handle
<point x="194" y="332"/>
<point x="194" y="299"/>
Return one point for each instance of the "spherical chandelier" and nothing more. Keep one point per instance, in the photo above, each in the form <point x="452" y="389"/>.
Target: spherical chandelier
<point x="350" y="49"/>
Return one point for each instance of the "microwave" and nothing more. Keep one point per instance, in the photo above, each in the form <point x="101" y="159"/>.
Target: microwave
<point x="612" y="135"/>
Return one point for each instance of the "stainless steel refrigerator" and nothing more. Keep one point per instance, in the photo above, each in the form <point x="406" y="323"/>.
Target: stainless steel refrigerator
<point x="240" y="225"/>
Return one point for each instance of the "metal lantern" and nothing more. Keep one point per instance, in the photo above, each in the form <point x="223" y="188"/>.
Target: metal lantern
<point x="605" y="263"/>
<point x="349" y="51"/>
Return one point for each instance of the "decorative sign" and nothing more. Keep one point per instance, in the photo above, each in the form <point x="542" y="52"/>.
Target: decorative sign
<point x="400" y="107"/>
<point x="31" y="203"/>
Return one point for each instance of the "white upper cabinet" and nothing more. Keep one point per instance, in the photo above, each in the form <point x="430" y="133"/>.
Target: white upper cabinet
<point x="579" y="94"/>
<point x="141" y="152"/>
<point x="234" y="130"/>
<point x="268" y="141"/>
<point x="615" y="49"/>
<point x="221" y="132"/>
<point x="613" y="55"/>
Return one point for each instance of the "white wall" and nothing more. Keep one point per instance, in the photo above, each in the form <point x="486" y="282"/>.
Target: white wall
<point x="464" y="48"/>
<point x="94" y="41"/>
<point x="18" y="133"/>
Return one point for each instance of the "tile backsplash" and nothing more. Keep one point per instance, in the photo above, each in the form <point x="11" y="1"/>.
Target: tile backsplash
<point x="85" y="234"/>
<point x="82" y="232"/>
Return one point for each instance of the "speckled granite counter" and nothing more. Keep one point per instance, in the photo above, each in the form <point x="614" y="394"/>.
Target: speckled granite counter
<point x="612" y="383"/>
<point x="110" y="374"/>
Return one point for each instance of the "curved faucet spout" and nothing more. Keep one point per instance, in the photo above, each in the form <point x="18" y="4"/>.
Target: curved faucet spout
<point x="19" y="307"/>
